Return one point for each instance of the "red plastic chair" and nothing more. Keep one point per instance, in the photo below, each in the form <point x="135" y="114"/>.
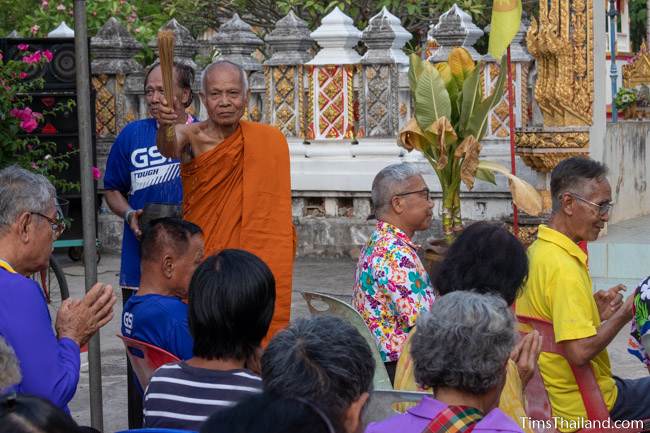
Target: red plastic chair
<point x="145" y="358"/>
<point x="538" y="406"/>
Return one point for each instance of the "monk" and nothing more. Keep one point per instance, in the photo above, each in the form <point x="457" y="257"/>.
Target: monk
<point x="236" y="178"/>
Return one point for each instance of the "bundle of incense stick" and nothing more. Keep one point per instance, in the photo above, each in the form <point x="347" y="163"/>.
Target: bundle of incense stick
<point x="166" y="54"/>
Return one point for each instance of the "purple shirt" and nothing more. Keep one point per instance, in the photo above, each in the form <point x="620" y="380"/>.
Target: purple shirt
<point x="416" y="419"/>
<point x="49" y="366"/>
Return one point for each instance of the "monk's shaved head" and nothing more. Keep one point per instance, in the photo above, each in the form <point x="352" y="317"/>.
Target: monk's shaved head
<point x="220" y="65"/>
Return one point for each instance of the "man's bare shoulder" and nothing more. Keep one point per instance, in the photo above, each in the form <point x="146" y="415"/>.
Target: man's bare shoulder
<point x="196" y="126"/>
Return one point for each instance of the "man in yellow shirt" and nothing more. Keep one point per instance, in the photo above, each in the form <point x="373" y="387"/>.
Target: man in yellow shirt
<point x="559" y="290"/>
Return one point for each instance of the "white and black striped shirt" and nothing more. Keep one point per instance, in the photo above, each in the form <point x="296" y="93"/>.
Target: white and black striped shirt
<point x="182" y="397"/>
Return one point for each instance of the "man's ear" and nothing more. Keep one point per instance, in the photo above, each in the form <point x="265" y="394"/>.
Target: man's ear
<point x="167" y="266"/>
<point x="566" y="203"/>
<point x="22" y="226"/>
<point x="397" y="204"/>
<point x="352" y="416"/>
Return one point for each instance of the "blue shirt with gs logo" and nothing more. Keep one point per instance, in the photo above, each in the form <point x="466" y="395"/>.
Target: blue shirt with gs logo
<point x="136" y="168"/>
<point x="159" y="320"/>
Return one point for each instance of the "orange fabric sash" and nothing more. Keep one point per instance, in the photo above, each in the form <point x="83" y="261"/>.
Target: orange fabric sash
<point x="239" y="193"/>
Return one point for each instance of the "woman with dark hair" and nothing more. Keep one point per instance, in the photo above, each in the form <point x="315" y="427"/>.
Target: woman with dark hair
<point x="270" y="414"/>
<point x="487" y="259"/>
<point x="26" y="414"/>
<point x="231" y="300"/>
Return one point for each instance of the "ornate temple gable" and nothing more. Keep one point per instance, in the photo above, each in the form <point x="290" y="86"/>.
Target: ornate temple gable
<point x="638" y="72"/>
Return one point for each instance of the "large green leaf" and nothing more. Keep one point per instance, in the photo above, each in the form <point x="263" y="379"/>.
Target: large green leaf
<point x="415" y="70"/>
<point x="452" y="88"/>
<point x="472" y="96"/>
<point x="478" y="121"/>
<point x="431" y="97"/>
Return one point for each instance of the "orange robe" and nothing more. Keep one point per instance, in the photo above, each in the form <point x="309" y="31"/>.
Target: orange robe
<point x="239" y="193"/>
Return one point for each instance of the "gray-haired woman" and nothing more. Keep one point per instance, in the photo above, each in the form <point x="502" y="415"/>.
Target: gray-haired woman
<point x="466" y="383"/>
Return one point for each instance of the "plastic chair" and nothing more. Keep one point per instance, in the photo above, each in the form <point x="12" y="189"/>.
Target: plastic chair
<point x="320" y="304"/>
<point x="145" y="359"/>
<point x="383" y="404"/>
<point x="538" y="404"/>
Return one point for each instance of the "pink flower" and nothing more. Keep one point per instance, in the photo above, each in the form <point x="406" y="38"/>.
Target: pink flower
<point x="45" y="4"/>
<point x="23" y="75"/>
<point x="34" y="29"/>
<point x="97" y="174"/>
<point x="48" y="55"/>
<point x="60" y="7"/>
<point x="23" y="47"/>
<point x="22" y="114"/>
<point x="29" y="124"/>
<point x="1" y="56"/>
<point x="28" y="118"/>
<point x="34" y="166"/>
<point x="34" y="58"/>
<point x="69" y="146"/>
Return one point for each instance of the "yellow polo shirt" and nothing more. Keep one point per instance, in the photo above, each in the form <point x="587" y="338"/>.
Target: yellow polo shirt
<point x="559" y="289"/>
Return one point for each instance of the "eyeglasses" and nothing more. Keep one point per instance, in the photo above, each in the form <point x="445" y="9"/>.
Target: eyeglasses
<point x="424" y="192"/>
<point x="57" y="224"/>
<point x="603" y="209"/>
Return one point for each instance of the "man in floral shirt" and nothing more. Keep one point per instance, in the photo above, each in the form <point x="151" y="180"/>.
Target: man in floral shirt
<point x="391" y="285"/>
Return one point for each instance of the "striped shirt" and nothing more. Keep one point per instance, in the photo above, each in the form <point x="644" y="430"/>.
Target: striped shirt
<point x="182" y="397"/>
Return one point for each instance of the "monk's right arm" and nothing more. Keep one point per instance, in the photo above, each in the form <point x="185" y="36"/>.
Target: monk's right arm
<point x="171" y="139"/>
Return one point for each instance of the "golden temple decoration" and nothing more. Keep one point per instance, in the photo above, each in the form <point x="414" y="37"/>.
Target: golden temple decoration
<point x="562" y="44"/>
<point x="553" y="139"/>
<point x="638" y="72"/>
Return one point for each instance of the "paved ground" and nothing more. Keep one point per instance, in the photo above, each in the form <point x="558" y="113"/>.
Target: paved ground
<point x="327" y="275"/>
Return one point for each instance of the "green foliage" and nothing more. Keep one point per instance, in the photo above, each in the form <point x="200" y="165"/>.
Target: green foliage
<point x="17" y="121"/>
<point x="432" y="100"/>
<point x="143" y="18"/>
<point x="416" y="15"/>
<point x="449" y="124"/>
<point x="46" y="15"/>
<point x="638" y="20"/>
<point x="625" y="98"/>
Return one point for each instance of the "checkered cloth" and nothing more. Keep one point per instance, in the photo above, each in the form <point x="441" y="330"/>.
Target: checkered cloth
<point x="454" y="419"/>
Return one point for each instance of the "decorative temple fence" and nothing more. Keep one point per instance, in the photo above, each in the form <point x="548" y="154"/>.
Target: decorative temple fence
<point x="340" y="111"/>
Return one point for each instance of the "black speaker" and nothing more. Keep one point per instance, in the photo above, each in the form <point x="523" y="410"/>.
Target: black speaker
<point x="59" y="89"/>
<point x="59" y="73"/>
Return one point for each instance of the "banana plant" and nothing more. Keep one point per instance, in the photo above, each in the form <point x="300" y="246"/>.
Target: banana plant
<point x="451" y="119"/>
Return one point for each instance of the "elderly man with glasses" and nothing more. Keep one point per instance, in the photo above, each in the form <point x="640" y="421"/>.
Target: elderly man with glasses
<point x="391" y="284"/>
<point x="29" y="224"/>
<point x="559" y="290"/>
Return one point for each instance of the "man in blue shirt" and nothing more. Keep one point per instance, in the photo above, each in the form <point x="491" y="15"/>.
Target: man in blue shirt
<point x="171" y="251"/>
<point x="29" y="224"/>
<point x="137" y="171"/>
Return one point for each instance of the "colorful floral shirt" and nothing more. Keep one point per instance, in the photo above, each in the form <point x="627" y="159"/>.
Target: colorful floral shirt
<point x="391" y="287"/>
<point x="641" y="322"/>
